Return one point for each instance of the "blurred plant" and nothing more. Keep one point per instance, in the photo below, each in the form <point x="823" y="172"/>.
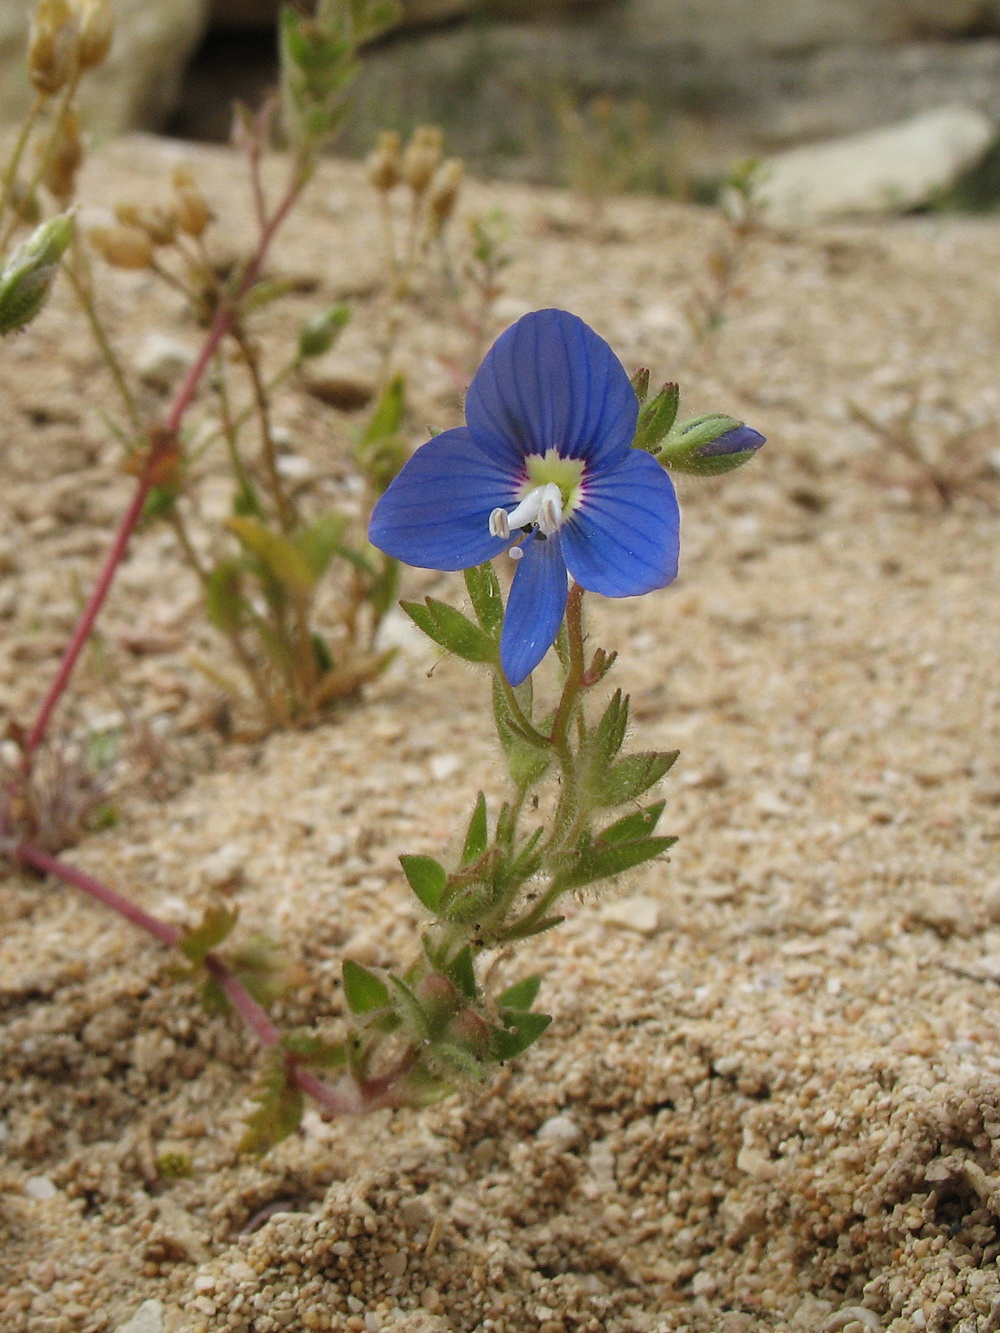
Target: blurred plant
<point x="930" y="461"/>
<point x="708" y="306"/>
<point x="607" y="148"/>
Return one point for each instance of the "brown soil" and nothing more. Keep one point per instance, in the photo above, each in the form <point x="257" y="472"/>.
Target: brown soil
<point x="770" y="1098"/>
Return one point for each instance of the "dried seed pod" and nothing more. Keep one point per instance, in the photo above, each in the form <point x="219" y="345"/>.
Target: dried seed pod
<point x="122" y="247"/>
<point x="443" y="193"/>
<point x="191" y="211"/>
<point x="423" y="157"/>
<point x="53" y="46"/>
<point x="159" y="223"/>
<point x="97" y="21"/>
<point x="64" y="161"/>
<point x="385" y="162"/>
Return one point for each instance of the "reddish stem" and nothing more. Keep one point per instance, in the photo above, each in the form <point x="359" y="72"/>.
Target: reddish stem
<point x="255" y="1017"/>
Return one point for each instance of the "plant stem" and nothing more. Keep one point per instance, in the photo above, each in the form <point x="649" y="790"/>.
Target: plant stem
<point x="10" y="175"/>
<point x="78" y="274"/>
<point x="252" y="1013"/>
<point x="47" y="153"/>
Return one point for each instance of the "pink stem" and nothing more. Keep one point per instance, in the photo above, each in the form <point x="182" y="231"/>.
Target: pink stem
<point x="255" y="1017"/>
<point x="225" y="316"/>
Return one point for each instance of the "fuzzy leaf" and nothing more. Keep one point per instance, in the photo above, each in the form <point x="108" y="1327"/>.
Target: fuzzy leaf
<point x="604" y="862"/>
<point x="451" y="630"/>
<point x="521" y="995"/>
<point x="427" y="878"/>
<point x="363" y="990"/>
<point x="609" y="734"/>
<point x="521" y="1030"/>
<point x="478" y="835"/>
<point x="484" y="592"/>
<point x="279" y="1109"/>
<point x="216" y="924"/>
<point x="631" y="776"/>
<point x="461" y="970"/>
<point x="638" y="824"/>
<point x="409" y="1008"/>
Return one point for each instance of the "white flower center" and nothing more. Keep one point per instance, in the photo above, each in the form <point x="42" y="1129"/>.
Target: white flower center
<point x="541" y="508"/>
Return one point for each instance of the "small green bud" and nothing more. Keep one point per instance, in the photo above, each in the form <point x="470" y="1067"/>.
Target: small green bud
<point x="28" y="275"/>
<point x="320" y="333"/>
<point x="708" y="446"/>
<point x="656" y="415"/>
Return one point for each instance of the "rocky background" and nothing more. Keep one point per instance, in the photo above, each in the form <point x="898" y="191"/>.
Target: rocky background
<point x="682" y="86"/>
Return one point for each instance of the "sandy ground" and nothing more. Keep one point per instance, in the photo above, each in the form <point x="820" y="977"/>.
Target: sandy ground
<point x="770" y="1099"/>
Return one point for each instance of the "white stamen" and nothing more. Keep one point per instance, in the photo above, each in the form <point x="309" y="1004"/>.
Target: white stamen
<point x="542" y="506"/>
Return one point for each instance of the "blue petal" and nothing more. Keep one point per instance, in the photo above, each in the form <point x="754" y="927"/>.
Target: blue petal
<point x="549" y="382"/>
<point x="436" y="512"/>
<point x="534" y="608"/>
<point x="624" y="538"/>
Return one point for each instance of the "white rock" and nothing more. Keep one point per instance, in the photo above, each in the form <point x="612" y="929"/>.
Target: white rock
<point x="639" y="913"/>
<point x="561" y="1131"/>
<point x="147" y="1319"/>
<point x="883" y="171"/>
<point x="161" y="360"/>
<point x="40" y="1187"/>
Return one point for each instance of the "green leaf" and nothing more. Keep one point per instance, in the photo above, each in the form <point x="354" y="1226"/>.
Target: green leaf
<point x="387" y="415"/>
<point x="478" y="835"/>
<point x="409" y="1008"/>
<point x="604" y="862"/>
<point x="462" y="971"/>
<point x="216" y="925"/>
<point x="321" y="540"/>
<point x="609" y="735"/>
<point x="630" y="777"/>
<point x="427" y="878"/>
<point x="526" y="761"/>
<point x="383" y="588"/>
<point x="283" y="561"/>
<point x="521" y="995"/>
<point x="638" y="824"/>
<point x="224" y="604"/>
<point x="521" y="1030"/>
<point x="363" y="990"/>
<point x="313" y="1052"/>
<point x="451" y="630"/>
<point x="487" y="601"/>
<point x="279" y="1109"/>
<point x="539" y="927"/>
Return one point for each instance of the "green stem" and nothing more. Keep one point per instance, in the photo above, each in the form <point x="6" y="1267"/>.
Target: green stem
<point x="46" y="155"/>
<point x="10" y="175"/>
<point x="79" y="277"/>
<point x="530" y="731"/>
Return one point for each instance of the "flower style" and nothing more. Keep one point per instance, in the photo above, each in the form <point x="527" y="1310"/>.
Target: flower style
<point x="545" y="458"/>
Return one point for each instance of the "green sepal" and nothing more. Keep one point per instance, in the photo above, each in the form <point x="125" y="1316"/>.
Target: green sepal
<point x="638" y="824"/>
<point x="487" y="600"/>
<point x="27" y="277"/>
<point x="530" y="928"/>
<point x="216" y="925"/>
<point x="609" y="734"/>
<point x="462" y="971"/>
<point x="521" y="1031"/>
<point x="630" y="777"/>
<point x="462" y="1061"/>
<point x="451" y="629"/>
<point x="520" y="996"/>
<point x="640" y="383"/>
<point x="599" y="861"/>
<point x="477" y="836"/>
<point x="427" y="878"/>
<point x="363" y="990"/>
<point x="656" y="417"/>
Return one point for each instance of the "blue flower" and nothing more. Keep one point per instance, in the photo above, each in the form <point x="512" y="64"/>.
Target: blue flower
<point x="544" y="469"/>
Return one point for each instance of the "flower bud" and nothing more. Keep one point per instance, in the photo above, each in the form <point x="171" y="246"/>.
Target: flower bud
<point x="97" y="20"/>
<point x="469" y="1030"/>
<point x="423" y="157"/>
<point x="53" y="45"/>
<point x="28" y="275"/>
<point x="385" y="162"/>
<point x="64" y="161"/>
<point x="193" y="213"/>
<point x="438" y="995"/>
<point x="320" y="333"/>
<point x="122" y="247"/>
<point x="708" y="446"/>
<point x="442" y="194"/>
